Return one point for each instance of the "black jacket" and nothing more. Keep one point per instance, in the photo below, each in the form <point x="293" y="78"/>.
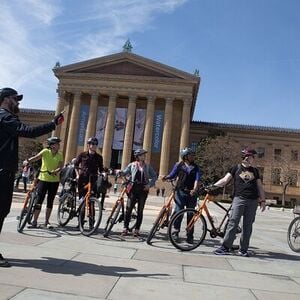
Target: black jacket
<point x="10" y="129"/>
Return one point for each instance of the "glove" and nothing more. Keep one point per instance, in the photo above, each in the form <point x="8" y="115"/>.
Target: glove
<point x="58" y="119"/>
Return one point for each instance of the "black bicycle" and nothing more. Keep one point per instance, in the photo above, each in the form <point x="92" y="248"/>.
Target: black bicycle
<point x="293" y="234"/>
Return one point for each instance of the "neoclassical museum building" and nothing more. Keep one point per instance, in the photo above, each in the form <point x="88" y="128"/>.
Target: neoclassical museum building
<point x="128" y="101"/>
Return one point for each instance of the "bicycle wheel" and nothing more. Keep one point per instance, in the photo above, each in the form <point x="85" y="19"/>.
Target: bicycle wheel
<point x="156" y="224"/>
<point x="26" y="213"/>
<point x="65" y="209"/>
<point x="112" y="220"/>
<point x="133" y="219"/>
<point x="187" y="239"/>
<point x="293" y="235"/>
<point x="89" y="222"/>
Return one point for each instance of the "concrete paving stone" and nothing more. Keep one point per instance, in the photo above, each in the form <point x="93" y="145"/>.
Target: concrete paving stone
<point x="274" y="267"/>
<point x="296" y="279"/>
<point x="33" y="294"/>
<point x="90" y="246"/>
<point x="156" y="289"/>
<point x="240" y="279"/>
<point x="7" y="291"/>
<point x="130" y="267"/>
<point x="264" y="295"/>
<point x="79" y="278"/>
<point x="183" y="259"/>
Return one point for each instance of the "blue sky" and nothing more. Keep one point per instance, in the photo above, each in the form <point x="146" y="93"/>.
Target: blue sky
<point x="247" y="52"/>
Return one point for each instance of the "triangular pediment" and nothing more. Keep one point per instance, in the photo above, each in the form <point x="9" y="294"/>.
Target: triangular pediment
<point x="124" y="64"/>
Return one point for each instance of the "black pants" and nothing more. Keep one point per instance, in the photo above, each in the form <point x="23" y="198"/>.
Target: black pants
<point x="44" y="187"/>
<point x="7" y="179"/>
<point x="84" y="180"/>
<point x="139" y="196"/>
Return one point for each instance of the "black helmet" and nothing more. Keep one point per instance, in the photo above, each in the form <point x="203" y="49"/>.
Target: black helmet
<point x="186" y="151"/>
<point x="92" y="140"/>
<point x="139" y="152"/>
<point x="6" y="92"/>
<point x="248" y="152"/>
<point x="53" y="140"/>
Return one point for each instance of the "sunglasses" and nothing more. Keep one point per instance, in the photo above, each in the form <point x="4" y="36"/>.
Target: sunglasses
<point x="94" y="144"/>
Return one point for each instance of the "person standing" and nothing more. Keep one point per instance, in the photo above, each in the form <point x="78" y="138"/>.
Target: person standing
<point x="10" y="130"/>
<point x="188" y="176"/>
<point x="26" y="171"/>
<point x="248" y="192"/>
<point x="88" y="165"/>
<point x="52" y="163"/>
<point x="143" y="177"/>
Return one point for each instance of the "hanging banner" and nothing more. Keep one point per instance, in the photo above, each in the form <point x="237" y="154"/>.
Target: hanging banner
<point x="100" y="125"/>
<point x="158" y="126"/>
<point x="119" y="130"/>
<point x="140" y="118"/>
<point x="83" y="119"/>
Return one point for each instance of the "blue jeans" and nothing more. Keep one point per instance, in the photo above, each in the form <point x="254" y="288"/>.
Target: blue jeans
<point x="182" y="200"/>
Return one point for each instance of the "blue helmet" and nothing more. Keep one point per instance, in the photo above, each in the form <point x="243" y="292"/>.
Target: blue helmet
<point x="186" y="151"/>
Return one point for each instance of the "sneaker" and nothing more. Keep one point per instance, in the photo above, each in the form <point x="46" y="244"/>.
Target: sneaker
<point x="136" y="233"/>
<point x="48" y="226"/>
<point x="33" y="224"/>
<point x="243" y="253"/>
<point x="3" y="262"/>
<point x="190" y="240"/>
<point x="175" y="235"/>
<point x="222" y="251"/>
<point x="124" y="233"/>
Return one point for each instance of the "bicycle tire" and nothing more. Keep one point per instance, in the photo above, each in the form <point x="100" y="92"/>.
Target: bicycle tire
<point x="65" y="206"/>
<point x="26" y="214"/>
<point x="112" y="220"/>
<point x="133" y="219"/>
<point x="155" y="226"/>
<point x="93" y="222"/>
<point x="200" y="230"/>
<point x="293" y="235"/>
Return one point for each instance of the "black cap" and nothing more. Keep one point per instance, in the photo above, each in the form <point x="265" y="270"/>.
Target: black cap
<point x="6" y="92"/>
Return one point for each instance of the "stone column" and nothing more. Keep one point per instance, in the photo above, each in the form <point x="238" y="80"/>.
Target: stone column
<point x="147" y="144"/>
<point x="71" y="142"/>
<point x="127" y="148"/>
<point x="185" y="123"/>
<point x="59" y="108"/>
<point x="91" y="125"/>
<point x="166" y="139"/>
<point x="109" y="130"/>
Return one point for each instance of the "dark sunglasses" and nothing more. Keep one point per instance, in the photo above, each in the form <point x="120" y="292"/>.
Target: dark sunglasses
<point x="94" y="144"/>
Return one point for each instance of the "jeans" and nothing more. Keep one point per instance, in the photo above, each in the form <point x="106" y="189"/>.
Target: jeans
<point x="183" y="199"/>
<point x="240" y="207"/>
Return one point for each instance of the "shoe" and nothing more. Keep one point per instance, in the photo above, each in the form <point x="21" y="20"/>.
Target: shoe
<point x="125" y="232"/>
<point x="136" y="233"/>
<point x="190" y="240"/>
<point x="222" y="251"/>
<point x="175" y="235"/>
<point x="243" y="253"/>
<point x="33" y="224"/>
<point x="3" y="262"/>
<point x="48" y="226"/>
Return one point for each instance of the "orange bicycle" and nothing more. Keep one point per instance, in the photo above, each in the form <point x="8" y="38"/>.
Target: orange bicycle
<point x="196" y="228"/>
<point x="163" y="217"/>
<point x="90" y="212"/>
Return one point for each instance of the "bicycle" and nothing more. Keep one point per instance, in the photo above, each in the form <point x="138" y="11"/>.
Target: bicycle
<point x="293" y="234"/>
<point x="196" y="228"/>
<point x="163" y="216"/>
<point x="90" y="212"/>
<point x="115" y="216"/>
<point x="67" y="203"/>
<point x="31" y="197"/>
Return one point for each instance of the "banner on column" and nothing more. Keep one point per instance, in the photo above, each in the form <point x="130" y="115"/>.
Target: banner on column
<point x="83" y="119"/>
<point x="158" y="125"/>
<point x="101" y="124"/>
<point x="119" y="130"/>
<point x="140" y="117"/>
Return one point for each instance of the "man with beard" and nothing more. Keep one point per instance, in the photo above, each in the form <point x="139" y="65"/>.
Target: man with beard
<point x="10" y="129"/>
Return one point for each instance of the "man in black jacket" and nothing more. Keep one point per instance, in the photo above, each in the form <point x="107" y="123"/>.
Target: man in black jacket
<point x="10" y="129"/>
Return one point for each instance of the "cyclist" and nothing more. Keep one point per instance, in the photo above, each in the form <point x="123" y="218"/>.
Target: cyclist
<point x="143" y="177"/>
<point x="188" y="176"/>
<point x="52" y="163"/>
<point x="247" y="191"/>
<point x="88" y="165"/>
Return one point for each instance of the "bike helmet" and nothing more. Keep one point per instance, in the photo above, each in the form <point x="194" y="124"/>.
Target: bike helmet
<point x="248" y="152"/>
<point x="139" y="152"/>
<point x="92" y="140"/>
<point x="186" y="151"/>
<point x="53" y="140"/>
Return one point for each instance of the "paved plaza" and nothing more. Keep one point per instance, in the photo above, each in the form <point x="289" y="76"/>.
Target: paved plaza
<point x="63" y="264"/>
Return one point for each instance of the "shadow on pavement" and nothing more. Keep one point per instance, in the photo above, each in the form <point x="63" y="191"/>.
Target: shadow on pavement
<point x="43" y="233"/>
<point x="276" y="255"/>
<point x="77" y="268"/>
